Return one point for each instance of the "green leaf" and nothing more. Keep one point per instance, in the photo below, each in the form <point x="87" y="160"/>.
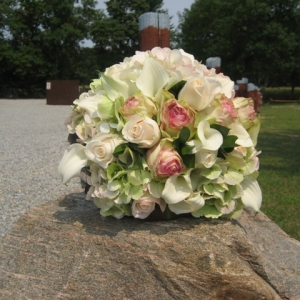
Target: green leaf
<point x="176" y="144"/>
<point x="186" y="149"/>
<point x="119" y="150"/>
<point x="189" y="160"/>
<point x="136" y="148"/>
<point x="229" y="141"/>
<point x="175" y="89"/>
<point x="208" y="211"/>
<point x="184" y="135"/>
<point x="222" y="129"/>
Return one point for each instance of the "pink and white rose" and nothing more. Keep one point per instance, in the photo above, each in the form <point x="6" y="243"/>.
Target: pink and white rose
<point x="174" y="116"/>
<point x="138" y="104"/>
<point x="143" y="207"/>
<point x="164" y="160"/>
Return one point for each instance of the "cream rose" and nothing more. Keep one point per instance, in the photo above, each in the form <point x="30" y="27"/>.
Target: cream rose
<point x="199" y="91"/>
<point x="143" y="207"/>
<point x="100" y="149"/>
<point x="142" y="131"/>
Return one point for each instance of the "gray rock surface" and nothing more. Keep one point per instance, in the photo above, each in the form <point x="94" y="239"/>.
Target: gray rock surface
<point x="65" y="250"/>
<point x="33" y="139"/>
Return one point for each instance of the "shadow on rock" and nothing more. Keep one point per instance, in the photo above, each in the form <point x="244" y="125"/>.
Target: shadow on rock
<point x="76" y="210"/>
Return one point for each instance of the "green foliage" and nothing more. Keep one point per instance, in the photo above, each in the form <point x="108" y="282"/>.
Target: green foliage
<point x="280" y="93"/>
<point x="42" y="41"/>
<point x="279" y="177"/>
<point x="183" y="149"/>
<point x="228" y="140"/>
<point x="254" y="38"/>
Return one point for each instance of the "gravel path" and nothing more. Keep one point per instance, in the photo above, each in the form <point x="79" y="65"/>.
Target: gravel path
<point x="33" y="139"/>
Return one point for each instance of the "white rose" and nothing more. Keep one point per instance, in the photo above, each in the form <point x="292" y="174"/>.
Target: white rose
<point x="199" y="91"/>
<point x="227" y="85"/>
<point x="143" y="207"/>
<point x="206" y="157"/>
<point x="142" y="131"/>
<point x="100" y="149"/>
<point x="88" y="103"/>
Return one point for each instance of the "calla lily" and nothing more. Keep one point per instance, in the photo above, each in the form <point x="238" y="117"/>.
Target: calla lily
<point x="243" y="136"/>
<point x="114" y="88"/>
<point x="253" y="132"/>
<point x="194" y="202"/>
<point x="211" y="138"/>
<point x="177" y="188"/>
<point x="152" y="78"/>
<point x="73" y="160"/>
<point x="252" y="196"/>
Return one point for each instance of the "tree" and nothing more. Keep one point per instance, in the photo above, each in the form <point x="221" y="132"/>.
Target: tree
<point x="43" y="41"/>
<point x="258" y="39"/>
<point x="116" y="35"/>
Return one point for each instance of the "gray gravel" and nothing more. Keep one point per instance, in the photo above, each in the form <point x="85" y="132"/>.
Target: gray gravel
<point x="33" y="139"/>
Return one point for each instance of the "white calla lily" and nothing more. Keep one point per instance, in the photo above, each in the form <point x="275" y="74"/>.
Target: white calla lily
<point x="210" y="138"/>
<point x="73" y="160"/>
<point x="194" y="202"/>
<point x="243" y="136"/>
<point x="114" y="88"/>
<point x="254" y="131"/>
<point x="177" y="188"/>
<point x="252" y="196"/>
<point x="152" y="78"/>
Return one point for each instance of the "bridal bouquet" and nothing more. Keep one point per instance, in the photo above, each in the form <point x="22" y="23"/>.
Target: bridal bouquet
<point x="161" y="132"/>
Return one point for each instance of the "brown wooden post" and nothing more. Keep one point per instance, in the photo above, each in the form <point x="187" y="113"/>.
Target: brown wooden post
<point x="242" y="90"/>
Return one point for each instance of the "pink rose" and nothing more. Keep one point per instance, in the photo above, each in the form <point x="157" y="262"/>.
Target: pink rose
<point x="174" y="116"/>
<point x="245" y="107"/>
<point x="163" y="160"/>
<point x="228" y="107"/>
<point x="143" y="207"/>
<point x="138" y="104"/>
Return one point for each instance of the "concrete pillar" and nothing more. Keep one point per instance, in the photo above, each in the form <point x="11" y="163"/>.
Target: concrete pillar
<point x="154" y="30"/>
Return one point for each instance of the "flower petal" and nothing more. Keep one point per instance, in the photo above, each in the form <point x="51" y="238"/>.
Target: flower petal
<point x="114" y="88"/>
<point x="73" y="160"/>
<point x="244" y="138"/>
<point x="152" y="78"/>
<point x="252" y="196"/>
<point x="211" y="138"/>
<point x="177" y="188"/>
<point x="193" y="203"/>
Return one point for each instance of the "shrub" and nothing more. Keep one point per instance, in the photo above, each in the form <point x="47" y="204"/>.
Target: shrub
<point x="280" y="93"/>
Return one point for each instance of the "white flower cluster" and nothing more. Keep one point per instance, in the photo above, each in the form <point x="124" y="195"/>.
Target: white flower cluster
<point x="160" y="130"/>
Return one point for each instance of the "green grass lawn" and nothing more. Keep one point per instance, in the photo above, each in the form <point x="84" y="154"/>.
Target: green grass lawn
<point x="279" y="178"/>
